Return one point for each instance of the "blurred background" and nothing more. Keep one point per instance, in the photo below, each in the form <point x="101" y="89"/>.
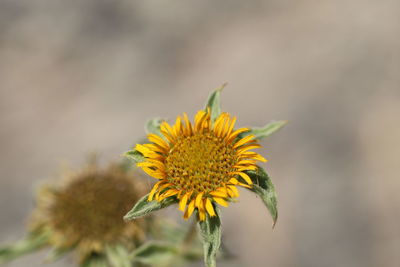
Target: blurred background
<point x="84" y="76"/>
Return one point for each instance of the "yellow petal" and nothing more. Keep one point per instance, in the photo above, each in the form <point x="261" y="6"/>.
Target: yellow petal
<point x="199" y="119"/>
<point x="168" y="136"/>
<point x="182" y="203"/>
<point x="155" y="174"/>
<point x="157" y="195"/>
<point x="189" y="210"/>
<point x="252" y="155"/>
<point x="147" y="153"/>
<point x="198" y="199"/>
<point x="210" y="208"/>
<point x="142" y="149"/>
<point x="189" y="130"/>
<point x="231" y="126"/>
<point x="233" y="181"/>
<point x="156" y="148"/>
<point x="247" y="147"/>
<point x="152" y="164"/>
<point x="220" y="118"/>
<point x="221" y="201"/>
<point x="234" y="190"/>
<point x="218" y="121"/>
<point x="218" y="194"/>
<point x="259" y="158"/>
<point x="163" y="186"/>
<point x="225" y="129"/>
<point x="202" y="212"/>
<point x="168" y="193"/>
<point x="246" y="162"/>
<point x="167" y="131"/>
<point x="246" y="178"/>
<point x="233" y="135"/>
<point x="178" y="126"/>
<point x="243" y="185"/>
<point x="221" y="127"/>
<point x="206" y="122"/>
<point x="154" y="190"/>
<point x="160" y="165"/>
<point x="222" y="190"/>
<point x="158" y="140"/>
<point x="244" y="140"/>
<point x="246" y="168"/>
<point x="202" y="215"/>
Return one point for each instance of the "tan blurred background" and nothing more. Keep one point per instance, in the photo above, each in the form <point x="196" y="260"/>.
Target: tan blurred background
<point x="82" y="76"/>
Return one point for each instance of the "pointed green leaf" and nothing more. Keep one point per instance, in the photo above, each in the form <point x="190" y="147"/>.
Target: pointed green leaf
<point x="118" y="256"/>
<point x="265" y="131"/>
<point x="144" y="207"/>
<point x="160" y="253"/>
<point x="153" y="126"/>
<point x="213" y="102"/>
<point x="210" y="230"/>
<point x="156" y="253"/>
<point x="263" y="187"/>
<point x="134" y="155"/>
<point x="34" y="241"/>
<point x="57" y="253"/>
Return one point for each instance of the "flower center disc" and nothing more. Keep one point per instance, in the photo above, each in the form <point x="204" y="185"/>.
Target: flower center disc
<point x="200" y="163"/>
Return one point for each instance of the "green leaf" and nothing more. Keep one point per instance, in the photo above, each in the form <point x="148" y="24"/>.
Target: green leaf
<point x="265" y="131"/>
<point x="57" y="253"/>
<point x="134" y="155"/>
<point x="34" y="241"/>
<point x="118" y="256"/>
<point x="153" y="126"/>
<point x="155" y="253"/>
<point x="144" y="207"/>
<point x="210" y="231"/>
<point x="95" y="261"/>
<point x="263" y="187"/>
<point x="213" y="102"/>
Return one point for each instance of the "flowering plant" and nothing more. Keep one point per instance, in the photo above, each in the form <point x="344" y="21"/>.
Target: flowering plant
<point x="199" y="166"/>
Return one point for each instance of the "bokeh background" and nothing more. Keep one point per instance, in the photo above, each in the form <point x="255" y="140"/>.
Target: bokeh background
<point x="84" y="76"/>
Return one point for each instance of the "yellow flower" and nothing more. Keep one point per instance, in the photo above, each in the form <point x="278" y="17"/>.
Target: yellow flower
<point x="85" y="212"/>
<point x="199" y="164"/>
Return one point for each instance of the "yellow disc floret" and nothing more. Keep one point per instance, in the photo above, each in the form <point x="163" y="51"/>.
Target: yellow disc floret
<point x="199" y="164"/>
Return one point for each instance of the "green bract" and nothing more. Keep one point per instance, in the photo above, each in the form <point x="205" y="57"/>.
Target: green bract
<point x="210" y="231"/>
<point x="265" y="189"/>
<point x="144" y="207"/>
<point x="213" y="102"/>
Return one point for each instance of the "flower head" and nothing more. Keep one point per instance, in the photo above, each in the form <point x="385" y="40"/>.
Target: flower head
<point x="86" y="211"/>
<point x="199" y="164"/>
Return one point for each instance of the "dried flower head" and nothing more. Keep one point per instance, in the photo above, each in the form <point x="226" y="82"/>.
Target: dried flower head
<point x="86" y="211"/>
